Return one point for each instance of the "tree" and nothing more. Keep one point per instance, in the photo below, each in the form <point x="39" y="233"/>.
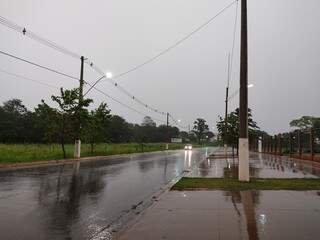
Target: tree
<point x="199" y="128"/>
<point x="12" y="118"/>
<point x="305" y="122"/>
<point x="119" y="130"/>
<point x="147" y="121"/>
<point x="47" y="122"/>
<point x="184" y="135"/>
<point x="69" y="110"/>
<point x="164" y="133"/>
<point x="209" y="134"/>
<point x="230" y="134"/>
<point x="95" y="129"/>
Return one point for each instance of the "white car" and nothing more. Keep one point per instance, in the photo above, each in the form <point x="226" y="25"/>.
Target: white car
<point x="188" y="147"/>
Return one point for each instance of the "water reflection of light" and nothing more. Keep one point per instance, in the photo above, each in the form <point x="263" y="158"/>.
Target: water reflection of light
<point x="206" y="151"/>
<point x="185" y="156"/>
<point x="189" y="158"/>
<point x="262" y="219"/>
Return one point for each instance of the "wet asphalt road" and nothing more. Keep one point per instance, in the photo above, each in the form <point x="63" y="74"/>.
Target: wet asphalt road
<point x="72" y="202"/>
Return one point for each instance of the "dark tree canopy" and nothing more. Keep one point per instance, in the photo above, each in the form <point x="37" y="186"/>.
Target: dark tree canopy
<point x="305" y="122"/>
<point x="147" y="121"/>
<point x="230" y="133"/>
<point x="199" y="128"/>
<point x="59" y="124"/>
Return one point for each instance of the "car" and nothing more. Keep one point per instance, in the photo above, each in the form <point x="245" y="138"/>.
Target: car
<point x="188" y="147"/>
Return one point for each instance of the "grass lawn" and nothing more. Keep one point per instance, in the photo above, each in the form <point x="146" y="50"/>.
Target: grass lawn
<point x="15" y="153"/>
<point x="186" y="183"/>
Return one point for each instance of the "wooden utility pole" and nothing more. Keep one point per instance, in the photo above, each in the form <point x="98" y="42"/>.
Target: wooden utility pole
<point x="226" y="110"/>
<point x="243" y="114"/>
<point x="280" y="145"/>
<point x="291" y="143"/>
<point x="299" y="143"/>
<point x="275" y="145"/>
<point x="167" y="145"/>
<point x="312" y="143"/>
<point x="77" y="150"/>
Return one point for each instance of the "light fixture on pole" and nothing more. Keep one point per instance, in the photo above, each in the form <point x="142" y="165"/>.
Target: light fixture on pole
<point x="109" y="75"/>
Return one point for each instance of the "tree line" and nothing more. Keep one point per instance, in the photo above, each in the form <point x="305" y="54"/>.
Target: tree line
<point x="60" y="124"/>
<point x="229" y="130"/>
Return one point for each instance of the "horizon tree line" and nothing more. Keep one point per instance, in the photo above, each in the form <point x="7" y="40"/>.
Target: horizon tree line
<point x="48" y="125"/>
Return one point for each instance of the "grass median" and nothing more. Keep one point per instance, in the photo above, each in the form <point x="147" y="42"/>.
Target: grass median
<point x="23" y="153"/>
<point x="298" y="184"/>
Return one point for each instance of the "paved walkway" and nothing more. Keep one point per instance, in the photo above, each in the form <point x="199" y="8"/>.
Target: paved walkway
<point x="261" y="165"/>
<point x="249" y="215"/>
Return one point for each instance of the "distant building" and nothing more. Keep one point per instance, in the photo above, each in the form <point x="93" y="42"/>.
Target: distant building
<point x="176" y="140"/>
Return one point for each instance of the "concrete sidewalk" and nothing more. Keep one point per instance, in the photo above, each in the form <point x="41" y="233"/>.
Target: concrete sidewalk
<point x="204" y="215"/>
<point x="219" y="214"/>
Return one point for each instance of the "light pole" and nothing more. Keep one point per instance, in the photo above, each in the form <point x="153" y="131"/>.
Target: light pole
<point x="77" y="146"/>
<point x="226" y="111"/>
<point x="243" y="108"/>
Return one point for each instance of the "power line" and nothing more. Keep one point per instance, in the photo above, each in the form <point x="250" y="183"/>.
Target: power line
<point x="177" y="122"/>
<point x="38" y="65"/>
<point x="172" y="46"/>
<point x="30" y="34"/>
<point x="52" y="86"/>
<point x="29" y="79"/>
<point x="234" y="94"/>
<point x="234" y="37"/>
<point x="176" y="43"/>
<point x="126" y="92"/>
<point x="53" y="45"/>
<point x="125" y="105"/>
<point x="58" y="72"/>
<point x="154" y="58"/>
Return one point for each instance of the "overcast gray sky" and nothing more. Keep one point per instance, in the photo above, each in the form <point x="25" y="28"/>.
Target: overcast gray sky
<point x="188" y="81"/>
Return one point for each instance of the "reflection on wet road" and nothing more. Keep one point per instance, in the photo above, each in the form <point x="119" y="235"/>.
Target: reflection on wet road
<point x="261" y="165"/>
<point x="231" y="215"/>
<point x="77" y="202"/>
<point x="265" y="214"/>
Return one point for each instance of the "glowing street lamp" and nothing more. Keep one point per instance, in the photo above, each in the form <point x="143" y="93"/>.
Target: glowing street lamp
<point x="109" y="75"/>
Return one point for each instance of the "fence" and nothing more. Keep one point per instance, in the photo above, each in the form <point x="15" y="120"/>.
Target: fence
<point x="302" y="144"/>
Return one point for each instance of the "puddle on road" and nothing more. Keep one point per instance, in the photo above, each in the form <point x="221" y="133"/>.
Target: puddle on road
<point x="261" y="166"/>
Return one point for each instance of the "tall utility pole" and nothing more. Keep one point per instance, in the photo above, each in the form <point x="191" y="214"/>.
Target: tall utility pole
<point x="243" y="115"/>
<point x="167" y="145"/>
<point x="226" y="112"/>
<point x="77" y="149"/>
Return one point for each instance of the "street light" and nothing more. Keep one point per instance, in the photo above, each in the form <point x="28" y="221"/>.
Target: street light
<point x="250" y="85"/>
<point x="109" y="75"/>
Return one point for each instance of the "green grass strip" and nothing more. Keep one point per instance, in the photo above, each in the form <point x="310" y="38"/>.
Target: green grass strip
<point x="298" y="184"/>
